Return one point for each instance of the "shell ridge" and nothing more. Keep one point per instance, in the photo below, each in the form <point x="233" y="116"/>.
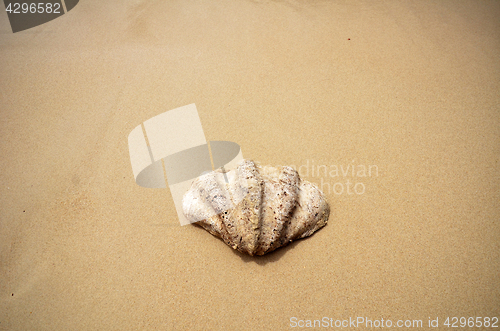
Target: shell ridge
<point x="287" y="198"/>
<point x="243" y="230"/>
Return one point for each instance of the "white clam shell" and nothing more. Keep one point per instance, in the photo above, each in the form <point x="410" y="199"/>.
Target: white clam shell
<point x="256" y="209"/>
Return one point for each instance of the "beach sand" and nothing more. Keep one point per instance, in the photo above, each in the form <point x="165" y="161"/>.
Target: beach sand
<point x="409" y="90"/>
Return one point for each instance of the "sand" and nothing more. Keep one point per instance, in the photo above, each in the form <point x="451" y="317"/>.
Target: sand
<point x="408" y="90"/>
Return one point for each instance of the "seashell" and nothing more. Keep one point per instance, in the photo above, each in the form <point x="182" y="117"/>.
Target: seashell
<point x="256" y="209"/>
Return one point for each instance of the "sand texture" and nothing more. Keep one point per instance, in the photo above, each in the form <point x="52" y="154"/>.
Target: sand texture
<point x="391" y="107"/>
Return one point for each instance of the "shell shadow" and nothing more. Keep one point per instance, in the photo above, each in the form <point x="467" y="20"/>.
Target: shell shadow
<point x="269" y="257"/>
<point x="259" y="259"/>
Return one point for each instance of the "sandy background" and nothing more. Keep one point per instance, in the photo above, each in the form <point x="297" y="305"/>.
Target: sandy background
<point x="411" y="87"/>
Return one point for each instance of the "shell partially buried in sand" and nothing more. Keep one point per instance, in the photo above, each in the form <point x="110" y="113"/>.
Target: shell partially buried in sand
<point x="256" y="209"/>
